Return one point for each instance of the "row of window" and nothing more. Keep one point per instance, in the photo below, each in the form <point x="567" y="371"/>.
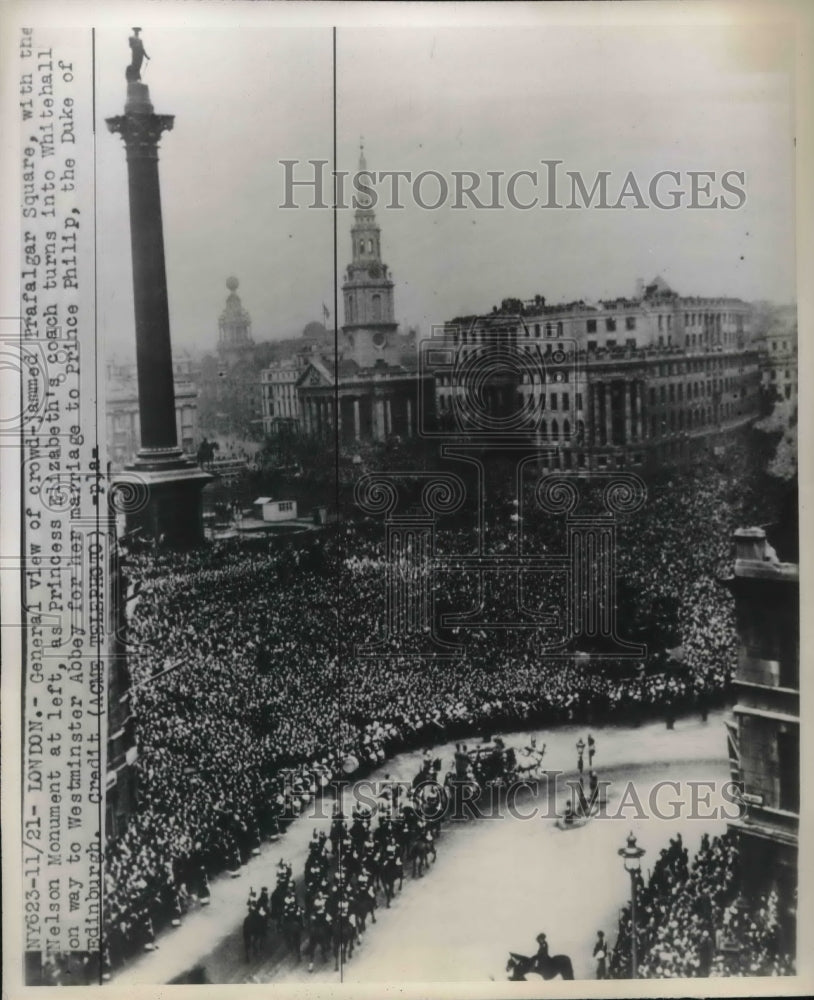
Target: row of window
<point x="610" y="324"/>
<point x="709" y="321"/>
<point x="694" y="390"/>
<point x="555" y="401"/>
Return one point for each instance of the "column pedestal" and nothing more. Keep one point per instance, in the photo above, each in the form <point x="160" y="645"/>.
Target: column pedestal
<point x="165" y="505"/>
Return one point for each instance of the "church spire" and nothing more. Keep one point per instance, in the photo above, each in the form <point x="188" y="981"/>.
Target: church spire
<point x="368" y="287"/>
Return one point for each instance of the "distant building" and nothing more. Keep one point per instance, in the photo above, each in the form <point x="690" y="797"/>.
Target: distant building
<point x="626" y="382"/>
<point x="234" y="327"/>
<point x="122" y="413"/>
<point x="765" y="729"/>
<point x="780" y="361"/>
<point x="278" y="385"/>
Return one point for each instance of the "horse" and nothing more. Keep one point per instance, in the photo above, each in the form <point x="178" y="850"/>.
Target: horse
<point x="320" y="936"/>
<point x="292" y="926"/>
<point x="555" y="965"/>
<point x="420" y="852"/>
<point x="345" y="932"/>
<point x="391" y="870"/>
<point x="364" y="906"/>
<point x="254" y="933"/>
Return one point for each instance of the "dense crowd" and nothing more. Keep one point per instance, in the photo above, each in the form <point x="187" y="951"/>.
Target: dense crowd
<point x="262" y="690"/>
<point x="691" y="921"/>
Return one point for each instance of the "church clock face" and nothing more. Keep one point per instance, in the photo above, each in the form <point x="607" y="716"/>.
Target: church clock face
<point x="374" y="271"/>
<point x="378" y="338"/>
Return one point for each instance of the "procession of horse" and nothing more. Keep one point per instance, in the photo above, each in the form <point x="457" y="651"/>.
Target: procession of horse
<point x="363" y="861"/>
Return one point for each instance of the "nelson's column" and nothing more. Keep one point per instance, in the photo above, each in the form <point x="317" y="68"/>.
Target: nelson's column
<point x="160" y="491"/>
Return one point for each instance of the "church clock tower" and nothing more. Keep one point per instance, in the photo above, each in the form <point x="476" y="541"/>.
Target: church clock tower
<point x="370" y="325"/>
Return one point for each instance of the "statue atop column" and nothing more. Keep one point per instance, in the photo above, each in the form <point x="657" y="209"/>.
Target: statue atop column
<point x="133" y="71"/>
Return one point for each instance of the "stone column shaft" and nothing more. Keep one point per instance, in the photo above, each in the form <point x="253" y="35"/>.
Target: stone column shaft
<point x="141" y="130"/>
<point x="608" y="414"/>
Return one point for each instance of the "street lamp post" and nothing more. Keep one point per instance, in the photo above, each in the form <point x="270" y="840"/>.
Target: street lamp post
<point x="632" y="855"/>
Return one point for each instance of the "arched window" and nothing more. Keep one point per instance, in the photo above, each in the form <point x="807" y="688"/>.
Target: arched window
<point x="377" y="307"/>
<point x="370" y="246"/>
<point x="559" y="329"/>
<point x="555" y="431"/>
<point x="361" y="246"/>
<point x="543" y="428"/>
<point x="350" y="308"/>
<point x="580" y="430"/>
<point x="566" y="429"/>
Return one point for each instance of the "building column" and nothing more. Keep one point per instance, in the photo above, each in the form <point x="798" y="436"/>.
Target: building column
<point x="638" y="427"/>
<point x="388" y="417"/>
<point x="378" y="420"/>
<point x="629" y="387"/>
<point x="608" y="415"/>
<point x="409" y="417"/>
<point x="356" y="420"/>
<point x="338" y="411"/>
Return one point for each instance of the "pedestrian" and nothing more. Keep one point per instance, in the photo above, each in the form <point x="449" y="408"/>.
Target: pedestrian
<point x="600" y="953"/>
<point x="591" y="750"/>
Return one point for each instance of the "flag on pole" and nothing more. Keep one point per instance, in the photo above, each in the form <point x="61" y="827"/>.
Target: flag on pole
<point x="326" y="312"/>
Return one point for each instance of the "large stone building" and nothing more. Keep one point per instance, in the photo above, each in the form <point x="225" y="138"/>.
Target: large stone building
<point x="627" y="382"/>
<point x="369" y="390"/>
<point x="765" y="731"/>
<point x="122" y="411"/>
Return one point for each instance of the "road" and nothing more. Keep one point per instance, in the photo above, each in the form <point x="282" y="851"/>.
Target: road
<point x="497" y="882"/>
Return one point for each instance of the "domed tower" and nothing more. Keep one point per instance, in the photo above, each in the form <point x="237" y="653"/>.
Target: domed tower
<point x="234" y="325"/>
<point x="370" y="325"/>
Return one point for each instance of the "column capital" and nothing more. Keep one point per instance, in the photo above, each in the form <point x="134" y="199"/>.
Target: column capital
<point x="141" y="131"/>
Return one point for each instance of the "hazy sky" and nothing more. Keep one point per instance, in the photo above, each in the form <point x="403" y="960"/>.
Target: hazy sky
<point x="618" y="99"/>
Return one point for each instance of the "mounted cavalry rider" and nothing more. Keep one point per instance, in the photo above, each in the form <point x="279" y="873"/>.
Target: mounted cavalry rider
<point x="542" y="950"/>
<point x="290" y="904"/>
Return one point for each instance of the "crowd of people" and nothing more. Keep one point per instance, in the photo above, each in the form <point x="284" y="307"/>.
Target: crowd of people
<point x="246" y="670"/>
<point x="691" y="921"/>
